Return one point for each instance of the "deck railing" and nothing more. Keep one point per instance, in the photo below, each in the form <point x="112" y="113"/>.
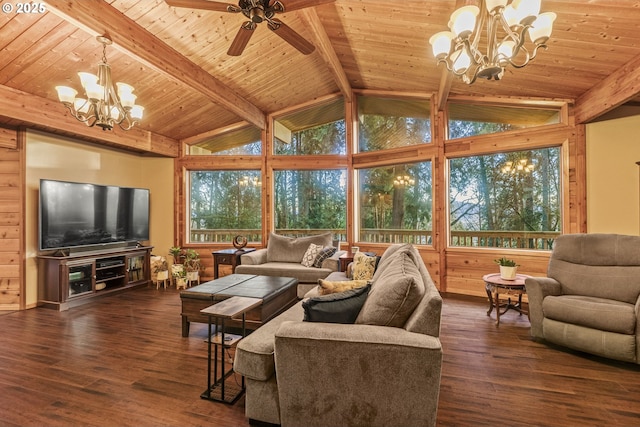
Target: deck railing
<point x="541" y="240"/>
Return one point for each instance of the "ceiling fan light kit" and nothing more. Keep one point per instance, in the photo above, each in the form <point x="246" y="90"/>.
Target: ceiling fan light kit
<point x="507" y="25"/>
<point x="104" y="106"/>
<point x="257" y="11"/>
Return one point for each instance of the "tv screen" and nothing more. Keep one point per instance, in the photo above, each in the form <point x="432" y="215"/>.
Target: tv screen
<point x="76" y="214"/>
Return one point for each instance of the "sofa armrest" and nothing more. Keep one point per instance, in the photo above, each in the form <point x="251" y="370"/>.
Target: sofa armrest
<point x="256" y="257"/>
<point x="537" y="289"/>
<point x="336" y="374"/>
<point x="332" y="262"/>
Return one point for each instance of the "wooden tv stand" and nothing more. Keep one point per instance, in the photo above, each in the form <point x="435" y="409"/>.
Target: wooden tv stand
<point x="75" y="279"/>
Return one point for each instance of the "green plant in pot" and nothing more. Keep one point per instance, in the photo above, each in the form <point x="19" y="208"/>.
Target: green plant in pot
<point x="161" y="269"/>
<point x="508" y="268"/>
<point x="176" y="254"/>
<point x="192" y="264"/>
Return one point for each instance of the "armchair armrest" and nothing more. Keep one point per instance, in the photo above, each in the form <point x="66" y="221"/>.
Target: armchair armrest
<point x="537" y="289"/>
<point x="336" y="374"/>
<point x="256" y="257"/>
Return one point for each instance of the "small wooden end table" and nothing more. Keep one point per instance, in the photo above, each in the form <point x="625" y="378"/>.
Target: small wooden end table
<point x="228" y="257"/>
<point x="228" y="309"/>
<point x="496" y="285"/>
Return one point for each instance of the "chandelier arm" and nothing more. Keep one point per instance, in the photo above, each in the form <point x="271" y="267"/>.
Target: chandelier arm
<point x="529" y="57"/>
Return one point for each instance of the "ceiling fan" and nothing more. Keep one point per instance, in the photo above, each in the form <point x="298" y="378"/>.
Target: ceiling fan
<point x="257" y="11"/>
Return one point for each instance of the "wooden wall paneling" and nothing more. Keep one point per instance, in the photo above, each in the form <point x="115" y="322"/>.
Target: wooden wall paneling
<point x="12" y="247"/>
<point x="578" y="146"/>
<point x="267" y="181"/>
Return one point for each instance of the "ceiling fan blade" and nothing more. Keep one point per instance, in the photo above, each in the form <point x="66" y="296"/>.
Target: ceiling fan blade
<point x="242" y="38"/>
<point x="291" y="5"/>
<point x="217" y="6"/>
<point x="291" y="37"/>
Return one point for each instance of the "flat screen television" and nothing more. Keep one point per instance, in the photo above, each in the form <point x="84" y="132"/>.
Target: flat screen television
<point x="75" y="214"/>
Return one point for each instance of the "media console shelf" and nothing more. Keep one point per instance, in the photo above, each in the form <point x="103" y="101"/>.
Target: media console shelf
<point x="68" y="281"/>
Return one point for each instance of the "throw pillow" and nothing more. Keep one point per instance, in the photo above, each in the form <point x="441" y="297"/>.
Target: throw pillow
<point x="288" y="249"/>
<point x="342" y="307"/>
<point x="326" y="287"/>
<point x="394" y="294"/>
<point x="325" y="253"/>
<point x="363" y="266"/>
<point x="310" y="255"/>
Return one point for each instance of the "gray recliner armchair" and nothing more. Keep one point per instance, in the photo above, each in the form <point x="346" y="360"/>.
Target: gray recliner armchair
<point x="590" y="299"/>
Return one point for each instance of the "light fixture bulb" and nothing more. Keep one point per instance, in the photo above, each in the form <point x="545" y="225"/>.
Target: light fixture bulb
<point x="463" y="21"/>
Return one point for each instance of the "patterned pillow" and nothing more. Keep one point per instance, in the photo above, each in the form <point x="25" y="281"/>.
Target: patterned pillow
<point x="310" y="255"/>
<point x="324" y="254"/>
<point x="363" y="266"/>
<point x="326" y="287"/>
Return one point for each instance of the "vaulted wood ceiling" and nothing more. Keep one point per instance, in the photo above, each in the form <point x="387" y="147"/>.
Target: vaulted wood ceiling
<point x="176" y="59"/>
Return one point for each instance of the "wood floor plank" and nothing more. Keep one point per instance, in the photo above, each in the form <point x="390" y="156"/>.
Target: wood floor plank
<point x="121" y="361"/>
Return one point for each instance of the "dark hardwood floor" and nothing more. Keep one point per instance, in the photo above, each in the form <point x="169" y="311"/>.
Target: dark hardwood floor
<point x="121" y="361"/>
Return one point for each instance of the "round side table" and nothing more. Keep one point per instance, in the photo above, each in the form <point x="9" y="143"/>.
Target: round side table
<point x="495" y="285"/>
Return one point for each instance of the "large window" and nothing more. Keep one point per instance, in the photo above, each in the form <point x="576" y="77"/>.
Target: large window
<point x="390" y="123"/>
<point x="245" y="140"/>
<point x="506" y="200"/>
<point x="310" y="202"/>
<point x="469" y="120"/>
<point x="396" y="204"/>
<point x="316" y="130"/>
<point x="224" y="204"/>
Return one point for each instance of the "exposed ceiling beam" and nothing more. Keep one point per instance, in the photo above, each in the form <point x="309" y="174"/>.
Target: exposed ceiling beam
<point x="619" y="87"/>
<point x="43" y="113"/>
<point x="98" y="17"/>
<point x="443" y="90"/>
<point x="327" y="52"/>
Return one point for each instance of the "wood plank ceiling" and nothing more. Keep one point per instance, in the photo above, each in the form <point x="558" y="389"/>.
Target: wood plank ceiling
<point x="176" y="57"/>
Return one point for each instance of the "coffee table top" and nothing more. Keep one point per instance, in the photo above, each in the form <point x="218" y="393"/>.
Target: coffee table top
<point x="241" y="285"/>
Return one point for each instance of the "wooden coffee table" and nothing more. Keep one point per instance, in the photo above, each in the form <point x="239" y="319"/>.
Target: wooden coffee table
<point x="496" y="285"/>
<point x="277" y="295"/>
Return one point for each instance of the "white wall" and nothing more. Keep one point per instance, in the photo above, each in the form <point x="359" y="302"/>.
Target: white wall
<point x="53" y="157"/>
<point x="613" y="189"/>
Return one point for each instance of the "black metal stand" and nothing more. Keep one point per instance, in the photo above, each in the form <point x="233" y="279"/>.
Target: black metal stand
<point x="219" y="390"/>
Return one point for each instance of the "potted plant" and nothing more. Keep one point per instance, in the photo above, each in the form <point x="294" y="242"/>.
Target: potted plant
<point x="161" y="268"/>
<point x="192" y="264"/>
<point x="176" y="253"/>
<point x="180" y="277"/>
<point x="508" y="268"/>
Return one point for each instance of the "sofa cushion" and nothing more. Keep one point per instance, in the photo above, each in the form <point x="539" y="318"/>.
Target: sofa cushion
<point x="325" y="253"/>
<point x="288" y="249"/>
<point x="286" y="269"/>
<point x="395" y="292"/>
<point x="339" y="307"/>
<point x="363" y="266"/>
<point x="595" y="313"/>
<point x="326" y="287"/>
<point x="310" y="254"/>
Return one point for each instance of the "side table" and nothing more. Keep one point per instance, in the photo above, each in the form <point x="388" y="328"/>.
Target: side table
<point x="495" y="285"/>
<point x="227" y="309"/>
<point x="228" y="257"/>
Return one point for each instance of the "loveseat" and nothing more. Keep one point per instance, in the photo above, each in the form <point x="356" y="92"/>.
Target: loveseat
<point x="382" y="369"/>
<point x="284" y="257"/>
<point x="590" y="299"/>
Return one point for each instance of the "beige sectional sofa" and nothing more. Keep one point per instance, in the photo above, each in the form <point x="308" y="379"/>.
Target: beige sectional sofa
<point x="590" y="299"/>
<point x="382" y="370"/>
<point x="283" y="256"/>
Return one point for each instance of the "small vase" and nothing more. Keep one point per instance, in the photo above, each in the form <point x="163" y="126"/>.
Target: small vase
<point x="508" y="273"/>
<point x="162" y="275"/>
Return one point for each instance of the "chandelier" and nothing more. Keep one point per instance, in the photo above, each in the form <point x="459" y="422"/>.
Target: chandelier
<point x="102" y="106"/>
<point x="522" y="165"/>
<point x="507" y="26"/>
<point x="403" y="181"/>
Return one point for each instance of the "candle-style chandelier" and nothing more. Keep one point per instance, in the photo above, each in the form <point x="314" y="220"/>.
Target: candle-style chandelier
<point x="506" y="28"/>
<point x="103" y="106"/>
<point x="521" y="165"/>
<point x="403" y="181"/>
